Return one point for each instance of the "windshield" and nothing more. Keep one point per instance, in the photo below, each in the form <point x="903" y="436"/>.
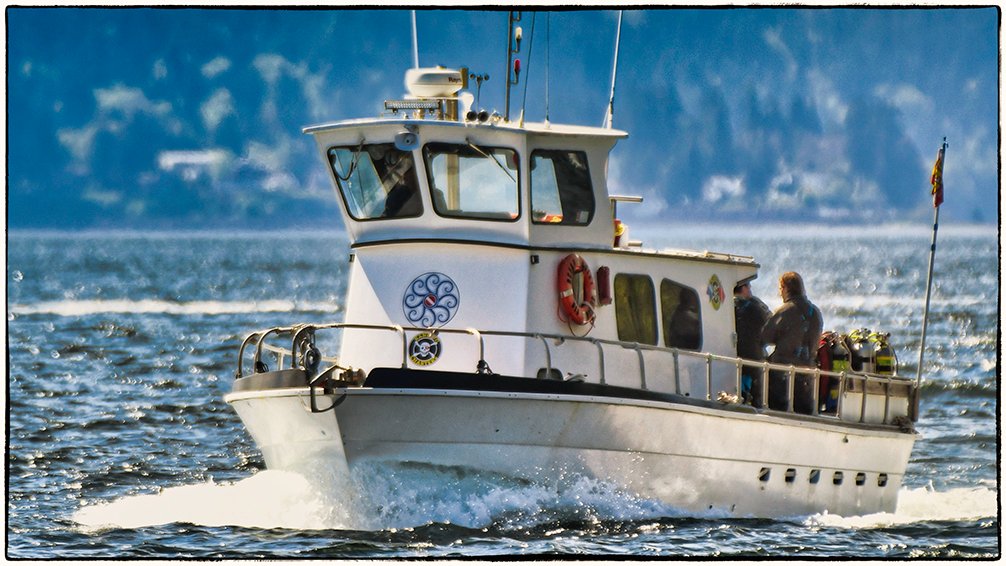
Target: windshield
<point x="376" y="181"/>
<point x="470" y="181"/>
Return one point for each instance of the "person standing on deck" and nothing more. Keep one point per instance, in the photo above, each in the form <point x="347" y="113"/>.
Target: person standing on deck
<point x="795" y="329"/>
<point x="750" y="315"/>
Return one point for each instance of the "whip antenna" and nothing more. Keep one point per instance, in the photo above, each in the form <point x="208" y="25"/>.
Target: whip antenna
<point x="610" y="114"/>
<point x="548" y="45"/>
<point x="415" y="43"/>
<point x="527" y="72"/>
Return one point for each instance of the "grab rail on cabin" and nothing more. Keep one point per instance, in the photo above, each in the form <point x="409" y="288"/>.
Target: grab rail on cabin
<point x="303" y="335"/>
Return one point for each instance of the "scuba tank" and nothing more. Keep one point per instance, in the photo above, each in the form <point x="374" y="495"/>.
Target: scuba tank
<point x="833" y="355"/>
<point x="864" y="352"/>
<point x="840" y="355"/>
<point x="887" y="361"/>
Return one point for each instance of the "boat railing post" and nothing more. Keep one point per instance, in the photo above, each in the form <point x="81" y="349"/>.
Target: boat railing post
<point x="887" y="399"/>
<point x="739" y="378"/>
<point x="642" y="366"/>
<point x="862" y="407"/>
<point x="600" y="357"/>
<point x="677" y="372"/>
<point x="709" y="377"/>
<point x="481" y="365"/>
<point x="791" y="386"/>
<point x="841" y="396"/>
<point x="765" y="384"/>
<point x="258" y="366"/>
<point x="405" y="344"/>
<point x="548" y="356"/>
<point x="817" y="392"/>
<point x="241" y="353"/>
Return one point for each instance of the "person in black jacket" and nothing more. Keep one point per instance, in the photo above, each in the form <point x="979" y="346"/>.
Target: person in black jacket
<point x="750" y="315"/>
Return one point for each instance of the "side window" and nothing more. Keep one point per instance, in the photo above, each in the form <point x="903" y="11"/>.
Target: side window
<point x="376" y="181"/>
<point x="682" y="320"/>
<point x="635" y="302"/>
<point x="561" y="192"/>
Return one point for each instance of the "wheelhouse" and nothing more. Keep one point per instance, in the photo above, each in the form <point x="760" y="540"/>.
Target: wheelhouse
<point x="536" y="185"/>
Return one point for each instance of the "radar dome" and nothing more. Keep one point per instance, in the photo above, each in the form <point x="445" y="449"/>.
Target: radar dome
<point x="433" y="82"/>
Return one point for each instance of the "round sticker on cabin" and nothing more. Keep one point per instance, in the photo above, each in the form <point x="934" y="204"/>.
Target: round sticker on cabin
<point x="431" y="300"/>
<point x="424" y="349"/>
<point x="715" y="292"/>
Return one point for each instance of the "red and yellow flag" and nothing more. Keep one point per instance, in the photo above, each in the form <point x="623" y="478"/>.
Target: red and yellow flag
<point x="936" y="179"/>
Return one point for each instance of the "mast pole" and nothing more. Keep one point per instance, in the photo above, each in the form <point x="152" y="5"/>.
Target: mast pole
<point x="610" y="114"/>
<point x="937" y="182"/>
<point x="509" y="61"/>
<point x="415" y="43"/>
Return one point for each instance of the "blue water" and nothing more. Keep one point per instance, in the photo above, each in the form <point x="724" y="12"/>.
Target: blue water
<point x="121" y="347"/>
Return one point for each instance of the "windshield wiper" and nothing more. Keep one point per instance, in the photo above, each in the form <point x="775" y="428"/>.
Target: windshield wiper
<point x="492" y="157"/>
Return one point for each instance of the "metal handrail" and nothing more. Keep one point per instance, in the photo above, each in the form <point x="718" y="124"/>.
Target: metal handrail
<point x="259" y="340"/>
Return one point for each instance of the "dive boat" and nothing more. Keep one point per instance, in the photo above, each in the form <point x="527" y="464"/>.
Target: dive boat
<point x="498" y="318"/>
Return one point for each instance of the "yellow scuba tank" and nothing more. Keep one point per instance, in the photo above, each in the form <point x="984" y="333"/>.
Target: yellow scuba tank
<point x="887" y="361"/>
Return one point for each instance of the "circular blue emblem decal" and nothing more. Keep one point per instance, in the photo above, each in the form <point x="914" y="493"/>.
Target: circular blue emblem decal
<point x="431" y="299"/>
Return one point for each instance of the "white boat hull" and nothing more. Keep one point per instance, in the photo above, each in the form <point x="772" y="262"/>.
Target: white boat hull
<point x="696" y="458"/>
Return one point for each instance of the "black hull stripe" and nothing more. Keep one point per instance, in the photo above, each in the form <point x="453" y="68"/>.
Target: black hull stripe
<point x="740" y="260"/>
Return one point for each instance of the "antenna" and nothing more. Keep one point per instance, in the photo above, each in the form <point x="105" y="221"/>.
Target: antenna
<point x="415" y="43"/>
<point x="512" y="74"/>
<point x="610" y="114"/>
<point x="548" y="45"/>
<point x="527" y="73"/>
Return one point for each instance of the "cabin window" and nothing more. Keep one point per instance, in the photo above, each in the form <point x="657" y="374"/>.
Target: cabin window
<point x="634" y="309"/>
<point x="470" y="181"/>
<point x="561" y="192"/>
<point x="682" y="320"/>
<point x="376" y="181"/>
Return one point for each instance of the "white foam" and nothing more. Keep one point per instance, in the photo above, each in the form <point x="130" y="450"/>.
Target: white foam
<point x="269" y="499"/>
<point x="922" y="504"/>
<point x="385" y="497"/>
<point x="154" y="306"/>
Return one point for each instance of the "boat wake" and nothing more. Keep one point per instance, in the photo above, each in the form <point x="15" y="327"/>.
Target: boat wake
<point x="922" y="504"/>
<point x="386" y="497"/>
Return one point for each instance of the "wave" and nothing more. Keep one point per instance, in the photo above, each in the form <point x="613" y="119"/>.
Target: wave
<point x="922" y="505"/>
<point x="154" y="306"/>
<point x="81" y="307"/>
<point x="403" y="498"/>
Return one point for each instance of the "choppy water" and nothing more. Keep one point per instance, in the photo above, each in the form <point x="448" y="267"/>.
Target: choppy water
<point x="121" y="347"/>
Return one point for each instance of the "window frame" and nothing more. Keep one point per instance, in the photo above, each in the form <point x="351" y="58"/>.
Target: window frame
<point x="590" y="186"/>
<point x="430" y="185"/>
<point x="342" y="192"/>
<point x="666" y="318"/>
<point x="652" y="310"/>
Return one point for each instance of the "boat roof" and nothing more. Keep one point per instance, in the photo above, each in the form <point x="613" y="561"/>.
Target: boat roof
<point x="542" y="128"/>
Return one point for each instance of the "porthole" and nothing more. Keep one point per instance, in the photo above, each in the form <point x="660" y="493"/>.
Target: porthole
<point x="837" y="478"/>
<point x="790" y="475"/>
<point x="860" y="478"/>
<point x="815" y="475"/>
<point x="764" y="474"/>
<point x="882" y="480"/>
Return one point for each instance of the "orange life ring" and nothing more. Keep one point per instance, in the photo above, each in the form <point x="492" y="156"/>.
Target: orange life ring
<point x="576" y="290"/>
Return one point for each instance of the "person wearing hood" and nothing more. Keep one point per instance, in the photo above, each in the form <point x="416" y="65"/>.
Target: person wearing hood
<point x="795" y="330"/>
